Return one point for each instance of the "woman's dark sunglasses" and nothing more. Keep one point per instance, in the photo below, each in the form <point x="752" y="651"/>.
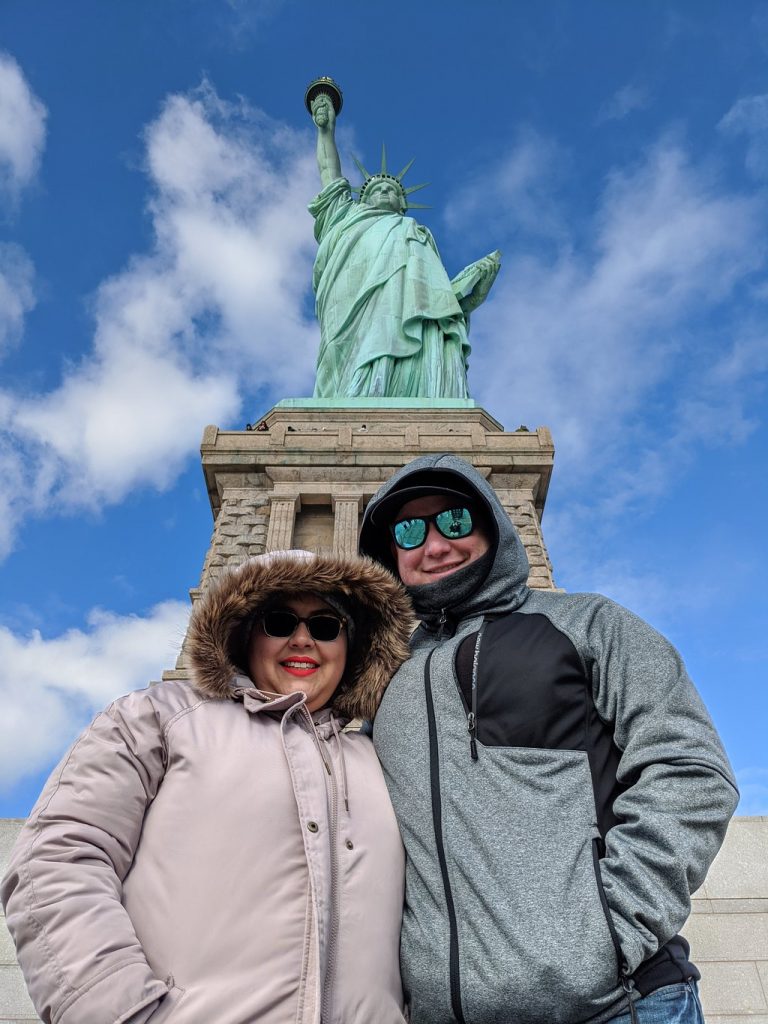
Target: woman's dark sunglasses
<point x="452" y="523"/>
<point x="322" y="626"/>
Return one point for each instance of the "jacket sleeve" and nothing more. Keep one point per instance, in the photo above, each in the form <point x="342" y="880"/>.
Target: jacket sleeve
<point x="76" y="945"/>
<point x="680" y="790"/>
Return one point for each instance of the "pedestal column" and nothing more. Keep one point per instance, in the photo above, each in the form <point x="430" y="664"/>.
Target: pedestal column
<point x="346" y="514"/>
<point x="282" y="516"/>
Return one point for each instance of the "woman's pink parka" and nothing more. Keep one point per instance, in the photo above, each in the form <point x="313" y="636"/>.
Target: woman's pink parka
<point x="205" y="854"/>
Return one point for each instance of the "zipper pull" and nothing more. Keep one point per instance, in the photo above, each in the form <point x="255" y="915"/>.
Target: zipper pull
<point x="472" y="716"/>
<point x="441" y="624"/>
<point x="472" y="730"/>
<point x="628" y="984"/>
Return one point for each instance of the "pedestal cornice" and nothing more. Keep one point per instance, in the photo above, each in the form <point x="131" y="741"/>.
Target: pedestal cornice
<point x="334" y="446"/>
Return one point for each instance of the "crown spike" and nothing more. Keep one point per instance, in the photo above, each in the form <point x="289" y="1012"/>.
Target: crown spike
<point x="418" y="206"/>
<point x="360" y="168"/>
<point x="405" y="170"/>
<point x="415" y="188"/>
<point x="383" y="158"/>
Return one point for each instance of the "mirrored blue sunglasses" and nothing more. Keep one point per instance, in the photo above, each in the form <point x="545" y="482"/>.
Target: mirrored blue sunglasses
<point x="451" y="523"/>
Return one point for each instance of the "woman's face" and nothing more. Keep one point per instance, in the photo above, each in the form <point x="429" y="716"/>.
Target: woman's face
<point x="298" y="662"/>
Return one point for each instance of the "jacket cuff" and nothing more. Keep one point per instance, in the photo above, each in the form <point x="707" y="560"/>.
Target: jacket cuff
<point x="114" y="997"/>
<point x="633" y="949"/>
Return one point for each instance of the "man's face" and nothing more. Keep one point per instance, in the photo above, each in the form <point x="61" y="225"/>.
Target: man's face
<point x="438" y="556"/>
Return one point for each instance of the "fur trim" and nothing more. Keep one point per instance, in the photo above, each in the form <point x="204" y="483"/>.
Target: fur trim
<point x="383" y="619"/>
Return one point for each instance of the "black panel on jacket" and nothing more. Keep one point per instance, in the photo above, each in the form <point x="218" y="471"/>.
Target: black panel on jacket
<point x="532" y="691"/>
<point x="531" y="686"/>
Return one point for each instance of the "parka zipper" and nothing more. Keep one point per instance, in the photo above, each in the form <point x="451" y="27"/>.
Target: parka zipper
<point x="437" y="821"/>
<point x="333" y="937"/>
<point x="333" y="828"/>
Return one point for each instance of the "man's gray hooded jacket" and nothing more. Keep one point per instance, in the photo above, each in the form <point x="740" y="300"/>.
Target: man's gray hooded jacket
<point x="553" y="840"/>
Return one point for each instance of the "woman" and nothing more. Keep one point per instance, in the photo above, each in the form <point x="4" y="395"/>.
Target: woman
<point x="226" y="851"/>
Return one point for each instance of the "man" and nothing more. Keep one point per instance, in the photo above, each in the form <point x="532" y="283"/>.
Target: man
<point x="559" y="785"/>
<point x="391" y="321"/>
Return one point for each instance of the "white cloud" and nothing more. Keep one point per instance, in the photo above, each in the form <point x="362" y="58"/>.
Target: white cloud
<point x="640" y="346"/>
<point x="132" y="418"/>
<point x="22" y="137"/>
<point x="17" y="295"/>
<point x="51" y="688"/>
<point x="588" y="341"/>
<point x="247" y="16"/>
<point x="749" y="117"/>
<point x="214" y="311"/>
<point x="519" y="188"/>
<point x="22" y="129"/>
<point x="623" y="102"/>
<point x="718" y="403"/>
<point x="12" y="497"/>
<point x="648" y="594"/>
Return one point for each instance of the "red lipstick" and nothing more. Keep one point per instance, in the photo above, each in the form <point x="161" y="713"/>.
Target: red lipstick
<point x="299" y="667"/>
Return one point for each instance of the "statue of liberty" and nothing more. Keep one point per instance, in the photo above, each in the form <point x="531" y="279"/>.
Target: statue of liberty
<point x="392" y="323"/>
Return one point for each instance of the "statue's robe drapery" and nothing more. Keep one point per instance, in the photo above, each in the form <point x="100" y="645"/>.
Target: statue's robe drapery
<point x="390" y="323"/>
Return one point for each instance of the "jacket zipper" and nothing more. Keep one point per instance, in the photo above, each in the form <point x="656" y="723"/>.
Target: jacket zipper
<point x="625" y="979"/>
<point x="441" y="624"/>
<point x="437" y="821"/>
<point x="472" y="714"/>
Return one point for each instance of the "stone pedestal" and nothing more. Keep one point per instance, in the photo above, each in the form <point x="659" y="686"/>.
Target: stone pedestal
<point x="302" y="477"/>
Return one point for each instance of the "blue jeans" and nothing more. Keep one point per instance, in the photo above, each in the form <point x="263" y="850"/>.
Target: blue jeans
<point x="673" y="1004"/>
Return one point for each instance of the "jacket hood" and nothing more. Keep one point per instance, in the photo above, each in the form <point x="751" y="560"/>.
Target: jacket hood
<point x="221" y="620"/>
<point x="503" y="586"/>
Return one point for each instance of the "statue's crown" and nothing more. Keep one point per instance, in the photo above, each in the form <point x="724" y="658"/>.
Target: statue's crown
<point x="383" y="174"/>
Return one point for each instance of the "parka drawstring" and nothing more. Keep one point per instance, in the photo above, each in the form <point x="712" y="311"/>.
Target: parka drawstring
<point x="321" y="750"/>
<point x="318" y="741"/>
<point x="344" y="788"/>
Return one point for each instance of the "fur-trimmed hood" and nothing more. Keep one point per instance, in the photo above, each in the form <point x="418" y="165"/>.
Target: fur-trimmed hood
<point x="382" y="612"/>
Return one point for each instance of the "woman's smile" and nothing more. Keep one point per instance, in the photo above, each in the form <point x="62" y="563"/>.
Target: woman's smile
<point x="300" y="666"/>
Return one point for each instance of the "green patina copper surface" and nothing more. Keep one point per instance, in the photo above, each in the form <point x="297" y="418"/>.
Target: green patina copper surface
<point x="376" y="403"/>
<point x="392" y="323"/>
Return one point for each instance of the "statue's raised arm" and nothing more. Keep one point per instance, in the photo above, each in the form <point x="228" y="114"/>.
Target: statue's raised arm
<point x="328" y="161"/>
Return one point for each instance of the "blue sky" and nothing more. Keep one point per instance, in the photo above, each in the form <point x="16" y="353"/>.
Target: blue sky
<point x="156" y="162"/>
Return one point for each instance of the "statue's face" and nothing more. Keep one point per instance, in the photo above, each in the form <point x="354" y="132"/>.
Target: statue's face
<point x="384" y="195"/>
